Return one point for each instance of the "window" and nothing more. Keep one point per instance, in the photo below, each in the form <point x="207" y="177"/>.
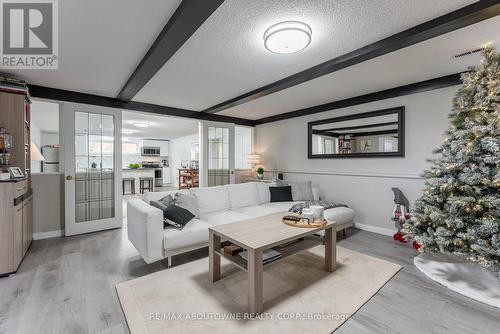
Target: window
<point x="243" y="141"/>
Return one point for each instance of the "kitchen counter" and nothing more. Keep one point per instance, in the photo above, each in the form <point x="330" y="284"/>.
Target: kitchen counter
<point x="136" y="173"/>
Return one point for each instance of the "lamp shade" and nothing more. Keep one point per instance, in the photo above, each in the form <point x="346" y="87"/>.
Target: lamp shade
<point x="35" y="153"/>
<point x="253" y="159"/>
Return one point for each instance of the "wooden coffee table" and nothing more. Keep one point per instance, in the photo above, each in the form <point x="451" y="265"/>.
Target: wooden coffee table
<point x="258" y="234"/>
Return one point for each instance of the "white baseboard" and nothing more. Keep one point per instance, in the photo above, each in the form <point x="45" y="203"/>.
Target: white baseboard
<point x="47" y="235"/>
<point x="375" y="229"/>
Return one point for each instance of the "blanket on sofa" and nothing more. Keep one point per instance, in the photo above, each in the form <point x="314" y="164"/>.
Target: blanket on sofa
<point x="297" y="208"/>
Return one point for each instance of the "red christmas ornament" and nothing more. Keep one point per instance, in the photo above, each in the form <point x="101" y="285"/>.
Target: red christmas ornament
<point x="416" y="245"/>
<point x="399" y="237"/>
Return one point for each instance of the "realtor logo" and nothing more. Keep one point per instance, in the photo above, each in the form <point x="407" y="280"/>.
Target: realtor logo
<point x="29" y="34"/>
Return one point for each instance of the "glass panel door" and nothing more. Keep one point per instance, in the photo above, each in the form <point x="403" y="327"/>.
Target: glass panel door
<point x="217" y="154"/>
<point x="91" y="148"/>
<point x="94" y="168"/>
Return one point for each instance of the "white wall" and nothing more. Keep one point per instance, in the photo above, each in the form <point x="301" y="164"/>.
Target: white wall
<point x="49" y="138"/>
<point x="48" y="205"/>
<point x="180" y="149"/>
<point x="362" y="183"/>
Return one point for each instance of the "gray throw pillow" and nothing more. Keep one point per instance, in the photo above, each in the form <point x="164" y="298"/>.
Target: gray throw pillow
<point x="167" y="200"/>
<point x="158" y="204"/>
<point x="302" y="191"/>
<point x="188" y="202"/>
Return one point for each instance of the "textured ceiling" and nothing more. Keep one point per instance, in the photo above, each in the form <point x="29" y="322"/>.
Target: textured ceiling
<point x="423" y="61"/>
<point x="226" y="56"/>
<point x="101" y="43"/>
<point x="162" y="127"/>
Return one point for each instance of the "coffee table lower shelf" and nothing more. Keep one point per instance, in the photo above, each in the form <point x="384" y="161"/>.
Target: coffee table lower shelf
<point x="285" y="251"/>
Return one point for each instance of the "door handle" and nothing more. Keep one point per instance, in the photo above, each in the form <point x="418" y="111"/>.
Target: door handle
<point x="69" y="177"/>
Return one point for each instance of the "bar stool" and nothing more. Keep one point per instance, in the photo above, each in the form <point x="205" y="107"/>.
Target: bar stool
<point x="142" y="183"/>
<point x="132" y="184"/>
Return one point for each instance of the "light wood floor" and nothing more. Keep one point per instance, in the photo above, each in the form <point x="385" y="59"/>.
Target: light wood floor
<point x="66" y="285"/>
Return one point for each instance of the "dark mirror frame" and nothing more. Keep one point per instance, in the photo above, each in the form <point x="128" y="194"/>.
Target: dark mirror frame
<point x="400" y="111"/>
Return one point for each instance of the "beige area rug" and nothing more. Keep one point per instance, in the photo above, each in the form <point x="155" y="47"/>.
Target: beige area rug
<point x="299" y="296"/>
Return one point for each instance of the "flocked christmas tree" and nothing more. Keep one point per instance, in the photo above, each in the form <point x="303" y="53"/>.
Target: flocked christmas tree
<point x="460" y="206"/>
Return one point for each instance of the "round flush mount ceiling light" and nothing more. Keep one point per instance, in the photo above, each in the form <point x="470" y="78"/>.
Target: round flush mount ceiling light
<point x="287" y="37"/>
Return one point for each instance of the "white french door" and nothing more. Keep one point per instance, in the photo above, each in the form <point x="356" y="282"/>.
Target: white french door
<point x="91" y="148"/>
<point x="217" y="154"/>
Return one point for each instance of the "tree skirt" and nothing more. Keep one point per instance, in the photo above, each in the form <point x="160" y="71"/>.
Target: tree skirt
<point x="463" y="277"/>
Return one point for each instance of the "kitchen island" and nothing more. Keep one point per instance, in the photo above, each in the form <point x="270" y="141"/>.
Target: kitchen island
<point x="136" y="173"/>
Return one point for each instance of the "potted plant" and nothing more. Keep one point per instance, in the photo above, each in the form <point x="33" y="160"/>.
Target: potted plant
<point x="260" y="173"/>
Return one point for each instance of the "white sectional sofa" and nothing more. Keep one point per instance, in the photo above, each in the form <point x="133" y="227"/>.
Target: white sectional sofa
<point x="218" y="205"/>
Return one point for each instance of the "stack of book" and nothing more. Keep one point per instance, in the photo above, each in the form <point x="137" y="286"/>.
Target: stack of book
<point x="14" y="86"/>
<point x="269" y="255"/>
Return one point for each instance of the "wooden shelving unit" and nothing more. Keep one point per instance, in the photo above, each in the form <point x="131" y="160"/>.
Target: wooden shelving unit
<point x="188" y="178"/>
<point x="16" y="199"/>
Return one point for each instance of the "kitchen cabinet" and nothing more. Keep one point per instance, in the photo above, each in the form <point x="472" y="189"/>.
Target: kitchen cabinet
<point x="167" y="176"/>
<point x="27" y="223"/>
<point x="164" y="148"/>
<point x="162" y="144"/>
<point x="16" y="201"/>
<point x="18" y="235"/>
<point x="16" y="224"/>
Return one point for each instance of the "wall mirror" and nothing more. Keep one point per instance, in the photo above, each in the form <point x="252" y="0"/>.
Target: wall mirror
<point x="373" y="134"/>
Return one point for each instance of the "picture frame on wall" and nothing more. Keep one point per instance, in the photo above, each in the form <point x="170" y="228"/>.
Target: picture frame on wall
<point x="15" y="172"/>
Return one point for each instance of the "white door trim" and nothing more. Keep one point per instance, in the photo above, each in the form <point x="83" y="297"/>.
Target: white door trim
<point x="204" y="150"/>
<point x="67" y="120"/>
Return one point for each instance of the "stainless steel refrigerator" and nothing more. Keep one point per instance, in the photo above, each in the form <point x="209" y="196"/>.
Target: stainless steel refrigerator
<point x="51" y="155"/>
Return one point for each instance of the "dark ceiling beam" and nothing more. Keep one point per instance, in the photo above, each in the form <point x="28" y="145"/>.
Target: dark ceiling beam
<point x="187" y="18"/>
<point x="76" y="97"/>
<point x="457" y="19"/>
<point x="418" y="87"/>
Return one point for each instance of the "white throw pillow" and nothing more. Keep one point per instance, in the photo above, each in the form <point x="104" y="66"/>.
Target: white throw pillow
<point x="243" y="194"/>
<point x="211" y="199"/>
<point x="264" y="194"/>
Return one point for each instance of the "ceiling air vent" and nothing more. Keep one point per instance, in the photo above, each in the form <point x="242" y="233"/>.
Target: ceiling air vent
<point x="468" y="53"/>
